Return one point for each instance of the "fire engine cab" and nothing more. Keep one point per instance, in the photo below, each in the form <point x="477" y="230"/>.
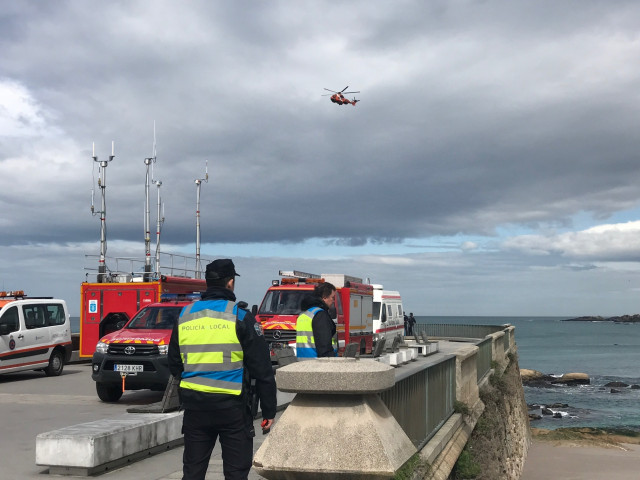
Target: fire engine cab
<point x="353" y="314"/>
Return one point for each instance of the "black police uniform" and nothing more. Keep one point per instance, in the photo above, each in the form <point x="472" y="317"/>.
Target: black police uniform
<point x="209" y="415"/>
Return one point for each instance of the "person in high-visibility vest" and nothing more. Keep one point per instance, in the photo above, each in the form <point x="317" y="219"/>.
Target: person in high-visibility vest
<point x="315" y="330"/>
<point x="215" y="349"/>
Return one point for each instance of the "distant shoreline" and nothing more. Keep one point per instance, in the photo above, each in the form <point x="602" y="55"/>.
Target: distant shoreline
<point x="621" y="319"/>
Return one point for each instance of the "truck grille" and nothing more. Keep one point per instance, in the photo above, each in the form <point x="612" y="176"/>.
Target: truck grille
<point x="141" y="349"/>
<point x="285" y="336"/>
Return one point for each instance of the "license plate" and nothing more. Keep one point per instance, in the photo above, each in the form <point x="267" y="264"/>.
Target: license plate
<point x="128" y="368"/>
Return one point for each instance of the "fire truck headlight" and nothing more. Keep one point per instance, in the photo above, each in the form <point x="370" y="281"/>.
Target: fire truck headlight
<point x="102" y="347"/>
<point x="163" y="349"/>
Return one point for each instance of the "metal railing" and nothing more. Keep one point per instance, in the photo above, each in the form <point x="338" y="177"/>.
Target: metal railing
<point x="458" y="331"/>
<point x="422" y="402"/>
<point x="484" y="357"/>
<point x="129" y="268"/>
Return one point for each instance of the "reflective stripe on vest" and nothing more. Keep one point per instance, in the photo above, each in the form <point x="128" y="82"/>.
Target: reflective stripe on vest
<point x="211" y="352"/>
<point x="305" y="343"/>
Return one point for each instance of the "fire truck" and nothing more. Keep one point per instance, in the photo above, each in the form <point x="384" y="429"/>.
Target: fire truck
<point x="107" y="306"/>
<point x="280" y="308"/>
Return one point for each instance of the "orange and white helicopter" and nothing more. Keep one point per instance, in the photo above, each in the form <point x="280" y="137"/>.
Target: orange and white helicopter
<point x="339" y="97"/>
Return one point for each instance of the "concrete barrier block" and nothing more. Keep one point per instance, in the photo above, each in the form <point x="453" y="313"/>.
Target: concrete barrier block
<point x="334" y="436"/>
<point x="87" y="446"/>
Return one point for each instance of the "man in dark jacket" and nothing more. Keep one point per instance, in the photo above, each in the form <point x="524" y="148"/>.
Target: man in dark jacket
<point x="215" y="348"/>
<point x="315" y="329"/>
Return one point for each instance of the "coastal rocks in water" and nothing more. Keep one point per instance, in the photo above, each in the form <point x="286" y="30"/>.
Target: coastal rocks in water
<point x="635" y="387"/>
<point x="573" y="379"/>
<point x="533" y="378"/>
<point x="621" y="319"/>
<point x="616" y="384"/>
<point x="615" y="390"/>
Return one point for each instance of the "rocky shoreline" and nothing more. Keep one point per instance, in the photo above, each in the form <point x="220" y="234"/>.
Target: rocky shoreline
<point x="533" y="378"/>
<point x="635" y="318"/>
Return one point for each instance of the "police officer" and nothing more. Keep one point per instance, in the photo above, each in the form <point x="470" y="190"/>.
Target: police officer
<point x="315" y="330"/>
<point x="215" y="349"/>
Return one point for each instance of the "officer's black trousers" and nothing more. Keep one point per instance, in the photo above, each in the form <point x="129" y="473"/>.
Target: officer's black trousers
<point x="201" y="430"/>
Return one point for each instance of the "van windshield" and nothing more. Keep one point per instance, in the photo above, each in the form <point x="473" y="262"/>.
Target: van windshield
<point x="283" y="302"/>
<point x="155" y="318"/>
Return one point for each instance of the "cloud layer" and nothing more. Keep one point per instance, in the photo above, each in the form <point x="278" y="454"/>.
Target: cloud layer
<point x="475" y="119"/>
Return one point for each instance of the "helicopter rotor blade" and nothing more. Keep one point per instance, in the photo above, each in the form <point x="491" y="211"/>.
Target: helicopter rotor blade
<point x="342" y="91"/>
<point x="331" y="90"/>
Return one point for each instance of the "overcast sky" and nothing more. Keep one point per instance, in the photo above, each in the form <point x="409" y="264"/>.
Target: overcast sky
<point x="491" y="167"/>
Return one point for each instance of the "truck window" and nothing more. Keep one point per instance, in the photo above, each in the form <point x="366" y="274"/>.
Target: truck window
<point x="10" y="318"/>
<point x="384" y="313"/>
<point x="399" y="310"/>
<point x="155" y="318"/>
<point x="389" y="312"/>
<point x="282" y="302"/>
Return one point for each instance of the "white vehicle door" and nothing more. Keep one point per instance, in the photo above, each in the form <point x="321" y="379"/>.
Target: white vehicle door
<point x="9" y="331"/>
<point x="34" y="340"/>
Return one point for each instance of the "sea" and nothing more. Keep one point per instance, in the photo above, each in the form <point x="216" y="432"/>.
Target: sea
<point x="606" y="351"/>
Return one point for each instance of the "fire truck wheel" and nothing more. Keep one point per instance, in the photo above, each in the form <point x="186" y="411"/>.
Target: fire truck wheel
<point x="108" y="393"/>
<point x="56" y="364"/>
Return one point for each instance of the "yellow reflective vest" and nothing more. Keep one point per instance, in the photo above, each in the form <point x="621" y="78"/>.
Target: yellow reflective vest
<point x="210" y="349"/>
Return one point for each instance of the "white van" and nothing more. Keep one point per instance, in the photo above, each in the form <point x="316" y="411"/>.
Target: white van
<point x="35" y="334"/>
<point x="388" y="314"/>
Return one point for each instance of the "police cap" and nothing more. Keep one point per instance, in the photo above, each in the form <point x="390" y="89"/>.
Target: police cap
<point x="221" y="268"/>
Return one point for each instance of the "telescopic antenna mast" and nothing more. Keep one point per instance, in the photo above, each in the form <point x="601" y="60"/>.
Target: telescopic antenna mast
<point x="149" y="161"/>
<point x="198" y="184"/>
<point x="102" y="183"/>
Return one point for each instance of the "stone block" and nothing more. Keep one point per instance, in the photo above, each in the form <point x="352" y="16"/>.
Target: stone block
<point x="84" y="448"/>
<point x="336" y="376"/>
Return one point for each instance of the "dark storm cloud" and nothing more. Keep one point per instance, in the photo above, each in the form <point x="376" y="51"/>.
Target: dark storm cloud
<point x="473" y="115"/>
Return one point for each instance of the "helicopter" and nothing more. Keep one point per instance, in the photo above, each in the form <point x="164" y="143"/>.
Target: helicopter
<point x="339" y="97"/>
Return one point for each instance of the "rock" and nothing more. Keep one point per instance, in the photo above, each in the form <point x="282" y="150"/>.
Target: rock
<point x="557" y="415"/>
<point x="635" y="387"/>
<point x="615" y="390"/>
<point x="546" y="411"/>
<point x="528" y="375"/>
<point x="559" y="405"/>
<point x="535" y="416"/>
<point x="616" y="384"/>
<point x="573" y="379"/>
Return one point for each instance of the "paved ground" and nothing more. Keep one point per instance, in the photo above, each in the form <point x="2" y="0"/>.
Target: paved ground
<point x="31" y="403"/>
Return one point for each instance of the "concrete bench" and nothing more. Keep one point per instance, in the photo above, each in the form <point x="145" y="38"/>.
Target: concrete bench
<point x="93" y="447"/>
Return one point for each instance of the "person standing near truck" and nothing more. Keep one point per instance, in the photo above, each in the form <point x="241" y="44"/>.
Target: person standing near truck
<point x="215" y="348"/>
<point x="412" y="324"/>
<point x="315" y="330"/>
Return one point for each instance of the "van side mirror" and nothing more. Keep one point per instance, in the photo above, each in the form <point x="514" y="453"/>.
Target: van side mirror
<point x="254" y="310"/>
<point x="4" y="329"/>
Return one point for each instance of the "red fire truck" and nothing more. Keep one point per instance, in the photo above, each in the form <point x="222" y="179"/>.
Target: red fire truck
<point x="106" y="307"/>
<point x="280" y="308"/>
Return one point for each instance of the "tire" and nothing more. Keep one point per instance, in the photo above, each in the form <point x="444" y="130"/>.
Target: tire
<point x="56" y="364"/>
<point x="108" y="393"/>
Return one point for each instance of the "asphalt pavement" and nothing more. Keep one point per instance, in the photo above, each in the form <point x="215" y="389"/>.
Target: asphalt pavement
<point x="32" y="403"/>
